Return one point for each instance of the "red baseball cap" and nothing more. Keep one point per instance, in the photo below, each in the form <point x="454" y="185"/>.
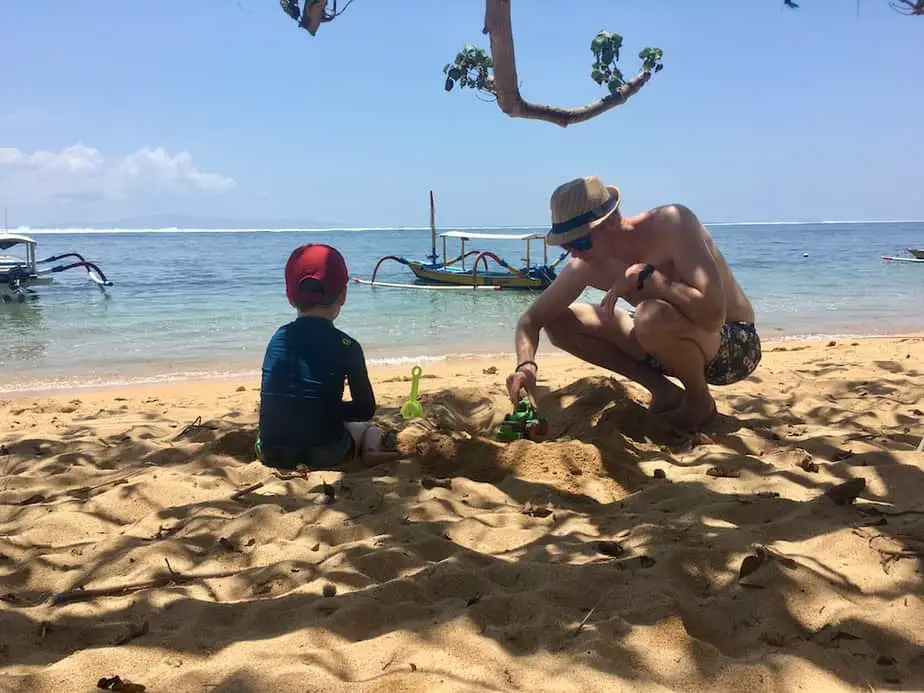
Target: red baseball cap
<point x="315" y="261"/>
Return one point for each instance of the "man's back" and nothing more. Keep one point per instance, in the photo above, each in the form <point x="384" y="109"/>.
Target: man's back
<point x="673" y="235"/>
<point x="301" y="395"/>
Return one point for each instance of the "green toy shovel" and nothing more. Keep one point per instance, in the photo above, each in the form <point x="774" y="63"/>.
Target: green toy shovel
<point x="413" y="408"/>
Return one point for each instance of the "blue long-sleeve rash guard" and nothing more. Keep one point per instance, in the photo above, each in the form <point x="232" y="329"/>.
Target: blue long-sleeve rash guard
<point x="306" y="365"/>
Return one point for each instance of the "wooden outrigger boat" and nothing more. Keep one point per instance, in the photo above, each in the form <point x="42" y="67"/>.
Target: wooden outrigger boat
<point x="463" y="272"/>
<point x="18" y="275"/>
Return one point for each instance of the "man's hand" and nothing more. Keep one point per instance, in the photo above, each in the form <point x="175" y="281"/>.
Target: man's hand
<point x="621" y="288"/>
<point x="518" y="381"/>
<point x="626" y="287"/>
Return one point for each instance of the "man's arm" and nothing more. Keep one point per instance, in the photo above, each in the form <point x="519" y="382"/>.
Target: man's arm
<point x="362" y="405"/>
<point x="702" y="298"/>
<point x="562" y="292"/>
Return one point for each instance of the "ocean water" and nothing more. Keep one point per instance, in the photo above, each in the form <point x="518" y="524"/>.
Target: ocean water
<point x="202" y="303"/>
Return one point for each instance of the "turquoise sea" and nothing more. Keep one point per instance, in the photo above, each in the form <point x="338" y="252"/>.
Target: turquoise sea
<point x="197" y="303"/>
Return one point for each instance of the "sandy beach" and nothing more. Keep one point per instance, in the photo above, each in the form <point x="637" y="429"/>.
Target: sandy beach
<point x="607" y="557"/>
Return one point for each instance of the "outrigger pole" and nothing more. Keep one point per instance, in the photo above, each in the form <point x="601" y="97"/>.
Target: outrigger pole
<point x="432" y="229"/>
<point x="443" y="287"/>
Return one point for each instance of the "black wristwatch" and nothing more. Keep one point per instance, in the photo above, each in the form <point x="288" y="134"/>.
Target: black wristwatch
<point x="646" y="272"/>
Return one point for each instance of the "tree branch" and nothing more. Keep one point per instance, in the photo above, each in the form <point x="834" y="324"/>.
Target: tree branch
<point x="506" y="86"/>
<point x="496" y="75"/>
<point x="313" y="15"/>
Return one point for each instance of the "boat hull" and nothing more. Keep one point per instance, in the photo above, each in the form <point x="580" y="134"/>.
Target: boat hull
<point x="22" y="289"/>
<point x="465" y="277"/>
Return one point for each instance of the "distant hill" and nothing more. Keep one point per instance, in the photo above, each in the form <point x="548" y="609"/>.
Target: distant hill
<point x="161" y="221"/>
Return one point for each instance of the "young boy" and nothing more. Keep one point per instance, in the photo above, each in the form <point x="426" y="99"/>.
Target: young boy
<point x="303" y="418"/>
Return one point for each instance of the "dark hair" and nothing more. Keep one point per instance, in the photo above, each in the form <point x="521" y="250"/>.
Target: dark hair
<point x="311" y="285"/>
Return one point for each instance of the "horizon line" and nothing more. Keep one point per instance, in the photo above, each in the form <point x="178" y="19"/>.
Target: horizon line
<point x="316" y="229"/>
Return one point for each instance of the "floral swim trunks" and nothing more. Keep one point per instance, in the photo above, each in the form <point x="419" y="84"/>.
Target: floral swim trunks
<point x="738" y="355"/>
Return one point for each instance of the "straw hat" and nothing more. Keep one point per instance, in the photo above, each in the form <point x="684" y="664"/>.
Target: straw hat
<point x="579" y="206"/>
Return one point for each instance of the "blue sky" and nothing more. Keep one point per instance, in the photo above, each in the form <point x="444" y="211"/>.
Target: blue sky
<point x="225" y="109"/>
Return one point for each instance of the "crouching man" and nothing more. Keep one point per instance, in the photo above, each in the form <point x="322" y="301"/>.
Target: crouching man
<point x="692" y="320"/>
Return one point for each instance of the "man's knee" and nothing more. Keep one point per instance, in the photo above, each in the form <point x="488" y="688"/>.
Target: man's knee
<point x="655" y="321"/>
<point x="559" y="328"/>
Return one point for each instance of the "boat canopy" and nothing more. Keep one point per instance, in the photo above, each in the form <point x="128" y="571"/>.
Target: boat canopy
<point x="8" y="240"/>
<point x="465" y="235"/>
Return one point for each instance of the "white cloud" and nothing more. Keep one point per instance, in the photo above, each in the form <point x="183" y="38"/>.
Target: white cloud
<point x="10" y="157"/>
<point x="157" y="165"/>
<point x="79" y="172"/>
<point x="77" y="158"/>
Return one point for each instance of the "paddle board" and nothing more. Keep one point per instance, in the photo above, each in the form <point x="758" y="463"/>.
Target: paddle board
<point x="902" y="259"/>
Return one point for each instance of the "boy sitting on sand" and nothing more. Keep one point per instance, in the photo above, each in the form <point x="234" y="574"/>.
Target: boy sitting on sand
<point x="303" y="418"/>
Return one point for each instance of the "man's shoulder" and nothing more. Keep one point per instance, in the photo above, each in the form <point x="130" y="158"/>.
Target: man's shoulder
<point x="672" y="213"/>
<point x="575" y="266"/>
<point x="672" y="221"/>
<point x="576" y="272"/>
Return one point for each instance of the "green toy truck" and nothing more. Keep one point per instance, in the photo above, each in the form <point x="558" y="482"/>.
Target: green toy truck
<point x="524" y="422"/>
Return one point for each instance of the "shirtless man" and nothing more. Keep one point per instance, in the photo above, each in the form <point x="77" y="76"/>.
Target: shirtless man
<point x="692" y="320"/>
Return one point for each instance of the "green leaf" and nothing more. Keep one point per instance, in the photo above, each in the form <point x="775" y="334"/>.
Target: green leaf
<point x="471" y="69"/>
<point x="290" y="7"/>
<point x="449" y="84"/>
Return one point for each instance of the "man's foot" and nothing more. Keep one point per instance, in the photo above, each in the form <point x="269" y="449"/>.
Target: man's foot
<point x="694" y="414"/>
<point x="666" y="402"/>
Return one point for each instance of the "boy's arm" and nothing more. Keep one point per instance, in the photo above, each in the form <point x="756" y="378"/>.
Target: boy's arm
<point x="362" y="405"/>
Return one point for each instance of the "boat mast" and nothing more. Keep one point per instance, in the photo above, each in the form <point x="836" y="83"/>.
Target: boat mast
<point x="432" y="229"/>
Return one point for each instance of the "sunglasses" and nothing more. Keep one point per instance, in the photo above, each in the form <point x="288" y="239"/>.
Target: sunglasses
<point x="581" y="244"/>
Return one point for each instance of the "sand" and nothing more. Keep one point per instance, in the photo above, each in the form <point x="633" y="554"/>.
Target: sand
<point x="608" y="557"/>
